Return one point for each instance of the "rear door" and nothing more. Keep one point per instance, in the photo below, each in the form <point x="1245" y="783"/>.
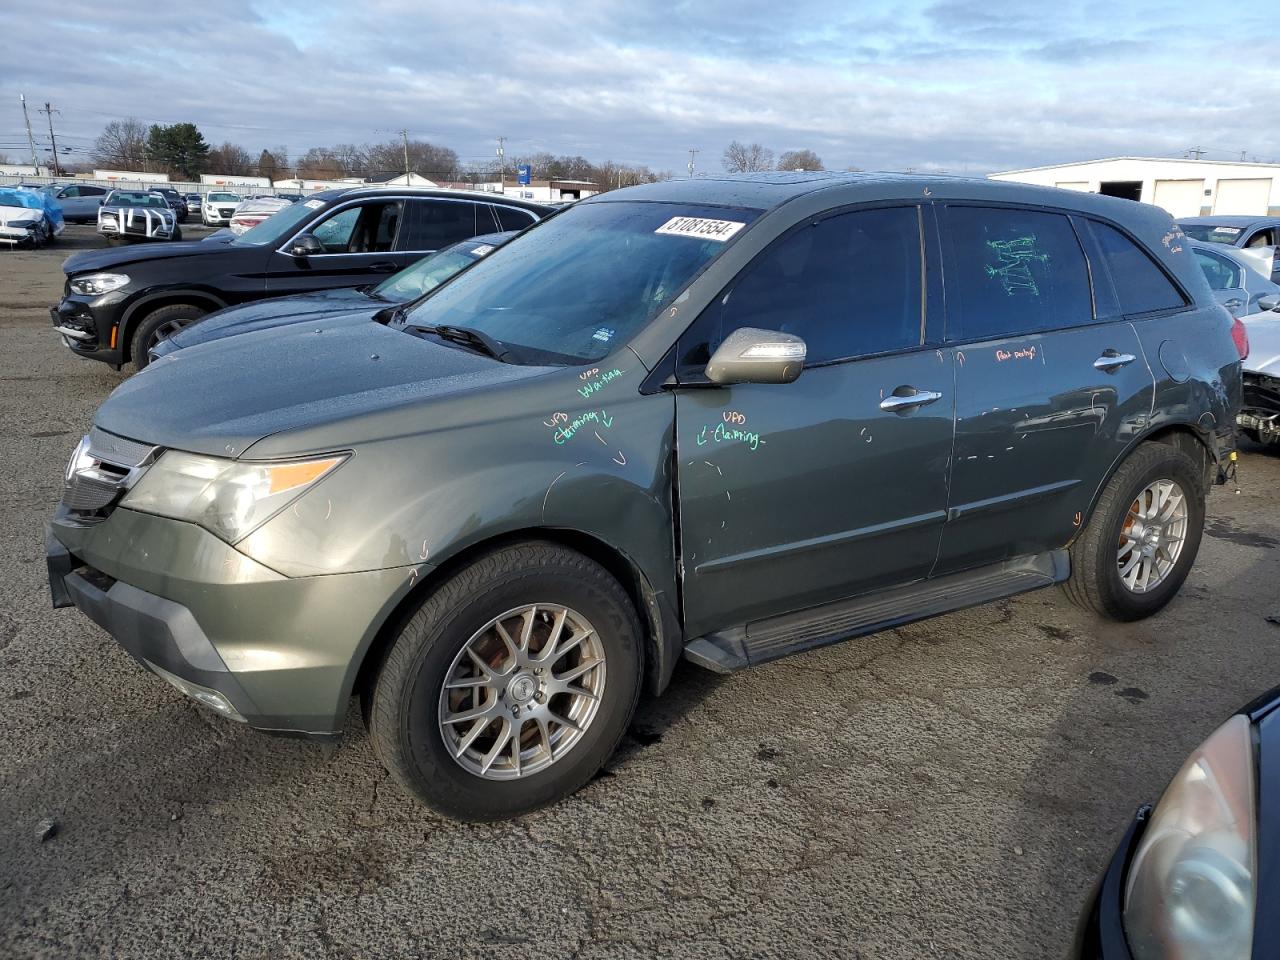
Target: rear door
<point x="1050" y="386"/>
<point x="359" y="240"/>
<point x="432" y="223"/>
<point x="796" y="494"/>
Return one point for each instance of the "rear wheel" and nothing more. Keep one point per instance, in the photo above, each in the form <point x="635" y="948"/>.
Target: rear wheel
<point x="511" y="684"/>
<point x="159" y="325"/>
<point x="1143" y="537"/>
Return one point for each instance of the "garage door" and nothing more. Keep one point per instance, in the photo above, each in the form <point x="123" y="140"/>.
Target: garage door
<point x="1180" y="197"/>
<point x="1248" y="197"/>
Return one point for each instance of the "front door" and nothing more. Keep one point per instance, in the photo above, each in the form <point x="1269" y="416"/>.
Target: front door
<point x="359" y="243"/>
<point x="1049" y="390"/>
<point x="798" y="494"/>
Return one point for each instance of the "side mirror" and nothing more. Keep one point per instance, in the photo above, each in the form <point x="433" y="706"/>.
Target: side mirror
<point x="1269" y="301"/>
<point x="305" y="246"/>
<point x="749" y="355"/>
<point x="101" y="202"/>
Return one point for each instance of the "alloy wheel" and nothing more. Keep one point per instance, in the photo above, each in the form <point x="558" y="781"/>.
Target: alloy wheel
<point x="522" y="691"/>
<point x="1152" y="535"/>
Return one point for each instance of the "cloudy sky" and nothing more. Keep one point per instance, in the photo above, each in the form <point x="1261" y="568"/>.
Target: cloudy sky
<point x="967" y="86"/>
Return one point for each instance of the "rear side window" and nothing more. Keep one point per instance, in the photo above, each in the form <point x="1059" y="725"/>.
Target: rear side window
<point x="849" y="285"/>
<point x="1218" y="271"/>
<point x="1013" y="272"/>
<point x="1141" y="285"/>
<point x="433" y="224"/>
<point x="512" y="219"/>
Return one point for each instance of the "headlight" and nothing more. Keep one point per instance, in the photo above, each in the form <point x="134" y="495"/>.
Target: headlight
<point x="1191" y="888"/>
<point x="226" y="497"/>
<point x="23" y="224"/>
<point x="92" y="284"/>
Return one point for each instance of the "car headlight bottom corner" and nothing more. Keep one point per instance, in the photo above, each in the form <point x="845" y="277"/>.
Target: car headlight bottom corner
<point x="1191" y="888"/>
<point x="229" y="498"/>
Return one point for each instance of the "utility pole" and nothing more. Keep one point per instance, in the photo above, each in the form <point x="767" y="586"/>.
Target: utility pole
<point x="502" y="166"/>
<point x="31" y="141"/>
<point x="693" y="152"/>
<point x="404" y="136"/>
<point x="1195" y="153"/>
<point x="49" y="111"/>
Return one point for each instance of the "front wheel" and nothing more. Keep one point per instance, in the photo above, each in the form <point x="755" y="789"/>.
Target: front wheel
<point x="510" y="686"/>
<point x="159" y="325"/>
<point x="1143" y="536"/>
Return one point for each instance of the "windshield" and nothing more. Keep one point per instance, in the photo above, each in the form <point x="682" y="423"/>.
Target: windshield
<point x="137" y="200"/>
<point x="224" y="197"/>
<point x="1211" y="234"/>
<point x="275" y="227"/>
<point x="587" y="279"/>
<point x="428" y="273"/>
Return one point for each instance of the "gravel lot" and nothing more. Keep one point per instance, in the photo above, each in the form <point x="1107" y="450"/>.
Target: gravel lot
<point x="947" y="789"/>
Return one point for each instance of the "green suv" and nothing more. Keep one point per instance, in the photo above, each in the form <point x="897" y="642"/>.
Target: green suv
<point x="721" y="419"/>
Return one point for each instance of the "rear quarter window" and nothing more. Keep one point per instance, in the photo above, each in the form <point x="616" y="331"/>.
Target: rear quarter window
<point x="1013" y="272"/>
<point x="1141" y="286"/>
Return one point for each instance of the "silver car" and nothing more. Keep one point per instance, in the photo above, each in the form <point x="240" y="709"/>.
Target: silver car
<point x="128" y="215"/>
<point x="1240" y="278"/>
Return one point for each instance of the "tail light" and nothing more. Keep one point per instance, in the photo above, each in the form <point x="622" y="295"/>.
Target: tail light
<point x="1240" y="337"/>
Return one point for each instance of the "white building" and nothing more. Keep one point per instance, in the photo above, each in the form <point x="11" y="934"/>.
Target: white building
<point x="233" y="180"/>
<point x="546" y="190"/>
<point x="303" y="185"/>
<point x="1186" y="188"/>
<point x="131" y="176"/>
<point x="22" y="170"/>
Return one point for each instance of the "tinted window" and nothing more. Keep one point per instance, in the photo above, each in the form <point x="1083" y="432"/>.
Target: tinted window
<point x="367" y="228"/>
<point x="1220" y="274"/>
<point x="433" y="224"/>
<point x="1012" y="272"/>
<point x="510" y="218"/>
<point x="849" y="286"/>
<point x="1263" y="238"/>
<point x="70" y="192"/>
<point x="1141" y="286"/>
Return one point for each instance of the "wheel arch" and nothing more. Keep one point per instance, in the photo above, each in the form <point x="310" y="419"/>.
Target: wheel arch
<point x="658" y="620"/>
<point x="152" y="301"/>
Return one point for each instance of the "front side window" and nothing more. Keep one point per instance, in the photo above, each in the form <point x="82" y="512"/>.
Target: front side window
<point x="365" y="228"/>
<point x="1263" y="238"/>
<point x="577" y="286"/>
<point x="70" y="192"/>
<point x="849" y="286"/>
<point x="1013" y="272"/>
<point x="1221" y="274"/>
<point x="1141" y="286"/>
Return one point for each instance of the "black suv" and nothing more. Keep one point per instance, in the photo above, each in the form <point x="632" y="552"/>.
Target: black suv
<point x="177" y="202"/>
<point x="119" y="303"/>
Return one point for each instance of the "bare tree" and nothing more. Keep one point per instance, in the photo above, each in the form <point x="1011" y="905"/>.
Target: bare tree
<point x="122" y="143"/>
<point x="800" y="160"/>
<point x="746" y="158"/>
<point x="320" y="163"/>
<point x="230" y="159"/>
<point x="425" y="159"/>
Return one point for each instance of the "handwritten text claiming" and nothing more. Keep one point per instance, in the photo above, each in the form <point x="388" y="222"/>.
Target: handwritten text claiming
<point x="1023" y="353"/>
<point x="599" y="383"/>
<point x="565" y="427"/>
<point x="723" y="433"/>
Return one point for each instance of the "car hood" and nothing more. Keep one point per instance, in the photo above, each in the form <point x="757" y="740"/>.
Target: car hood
<point x="277" y="312"/>
<point x="1264" y="343"/>
<point x="113" y="257"/>
<point x="220" y="399"/>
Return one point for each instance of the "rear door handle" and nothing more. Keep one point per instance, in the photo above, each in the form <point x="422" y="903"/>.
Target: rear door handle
<point x="897" y="403"/>
<point x="382" y="266"/>
<point x="1111" y="360"/>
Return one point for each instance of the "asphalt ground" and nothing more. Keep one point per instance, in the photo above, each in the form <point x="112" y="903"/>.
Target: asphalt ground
<point x="946" y="789"/>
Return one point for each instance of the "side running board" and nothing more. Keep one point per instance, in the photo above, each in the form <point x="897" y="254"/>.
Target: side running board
<point x="765" y="640"/>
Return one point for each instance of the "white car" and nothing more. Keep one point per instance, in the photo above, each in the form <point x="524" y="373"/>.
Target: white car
<point x="218" y="208"/>
<point x="253" y="211"/>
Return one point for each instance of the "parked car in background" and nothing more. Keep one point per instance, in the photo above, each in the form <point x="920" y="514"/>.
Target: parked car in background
<point x="28" y="217"/>
<point x="118" y="303"/>
<point x="195" y="203"/>
<point x="1238" y="231"/>
<point x="357" y="303"/>
<point x="1259" y="418"/>
<point x="177" y="202"/>
<point x="1197" y="876"/>
<point x="218" y="208"/>
<point x="251" y="212"/>
<point x="130" y="215"/>
<point x="79" y="202"/>
<point x="1240" y="279"/>
<point x="721" y="418"/>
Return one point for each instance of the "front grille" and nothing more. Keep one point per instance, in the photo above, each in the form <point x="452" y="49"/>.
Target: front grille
<point x="86" y="493"/>
<point x="110" y="466"/>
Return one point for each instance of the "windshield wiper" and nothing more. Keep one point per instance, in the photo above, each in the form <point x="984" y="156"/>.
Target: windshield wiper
<point x="480" y="342"/>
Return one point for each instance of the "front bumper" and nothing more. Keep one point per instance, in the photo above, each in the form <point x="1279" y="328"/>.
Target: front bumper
<point x="282" y="651"/>
<point x="1100" y="934"/>
<point x="90" y="326"/>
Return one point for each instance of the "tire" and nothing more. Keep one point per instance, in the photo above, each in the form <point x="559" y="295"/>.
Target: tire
<point x="114" y="240"/>
<point x="177" y="233"/>
<point x="159" y="324"/>
<point x="1098" y="553"/>
<point x="404" y="706"/>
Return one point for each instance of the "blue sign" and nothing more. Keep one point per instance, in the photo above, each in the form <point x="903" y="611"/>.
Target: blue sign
<point x="523" y="173"/>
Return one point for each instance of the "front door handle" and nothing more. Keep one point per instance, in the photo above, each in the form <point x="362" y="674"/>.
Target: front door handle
<point x="900" y="402"/>
<point x="382" y="266"/>
<point x="1111" y="360"/>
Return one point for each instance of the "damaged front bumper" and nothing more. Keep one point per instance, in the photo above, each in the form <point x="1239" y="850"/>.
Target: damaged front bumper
<point x="1260" y="412"/>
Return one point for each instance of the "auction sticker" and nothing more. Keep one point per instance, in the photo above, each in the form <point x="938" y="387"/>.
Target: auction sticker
<point x="703" y="229"/>
<point x="314" y="204"/>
